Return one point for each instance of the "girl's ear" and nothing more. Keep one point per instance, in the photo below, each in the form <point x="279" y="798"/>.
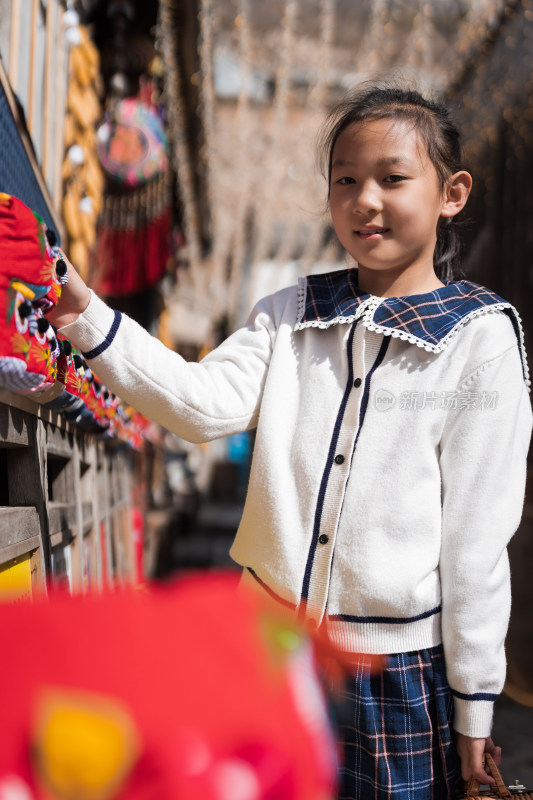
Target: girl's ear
<point x="456" y="193"/>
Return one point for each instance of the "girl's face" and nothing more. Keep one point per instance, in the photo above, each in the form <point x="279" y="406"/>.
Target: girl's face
<point x="385" y="198"/>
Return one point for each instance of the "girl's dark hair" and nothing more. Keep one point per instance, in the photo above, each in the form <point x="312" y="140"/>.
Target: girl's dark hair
<point x="437" y="130"/>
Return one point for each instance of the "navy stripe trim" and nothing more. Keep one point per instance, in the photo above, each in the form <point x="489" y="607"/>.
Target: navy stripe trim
<point x="327" y="469"/>
<point x="362" y="411"/>
<point x="387" y="620"/>
<point x="364" y="401"/>
<point x="475" y="696"/>
<point x="512" y="316"/>
<point x="97" y="351"/>
<point x="270" y="591"/>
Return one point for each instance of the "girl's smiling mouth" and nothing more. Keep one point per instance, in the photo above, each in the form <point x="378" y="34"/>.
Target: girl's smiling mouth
<point x="371" y="233"/>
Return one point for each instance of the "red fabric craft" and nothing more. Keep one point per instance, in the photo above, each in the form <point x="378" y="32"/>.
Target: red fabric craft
<point x="31" y="275"/>
<point x="27" y="257"/>
<point x="188" y="692"/>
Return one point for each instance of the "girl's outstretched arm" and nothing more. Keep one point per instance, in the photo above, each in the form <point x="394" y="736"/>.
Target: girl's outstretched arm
<point x="219" y="396"/>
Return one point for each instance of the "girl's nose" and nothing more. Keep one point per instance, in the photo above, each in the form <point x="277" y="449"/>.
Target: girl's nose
<point x="366" y="200"/>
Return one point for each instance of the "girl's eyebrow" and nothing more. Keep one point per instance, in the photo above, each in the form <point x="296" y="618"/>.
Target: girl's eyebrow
<point x="389" y="161"/>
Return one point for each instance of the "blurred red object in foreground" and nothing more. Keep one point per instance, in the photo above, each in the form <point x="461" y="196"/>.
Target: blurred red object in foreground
<point x="195" y="690"/>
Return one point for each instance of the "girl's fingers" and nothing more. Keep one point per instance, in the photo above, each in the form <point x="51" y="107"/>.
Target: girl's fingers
<point x="473" y="768"/>
<point x="483" y="776"/>
<point x="75" y="297"/>
<point x="495" y="752"/>
<point x="471" y="754"/>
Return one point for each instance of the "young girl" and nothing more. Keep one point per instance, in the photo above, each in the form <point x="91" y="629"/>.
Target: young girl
<point x="393" y="421"/>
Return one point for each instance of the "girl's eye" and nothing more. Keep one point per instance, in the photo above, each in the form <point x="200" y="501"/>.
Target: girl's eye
<point x="394" y="178"/>
<point x="345" y="181"/>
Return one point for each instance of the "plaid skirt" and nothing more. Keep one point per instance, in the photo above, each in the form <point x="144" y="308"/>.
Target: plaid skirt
<point x="396" y="735"/>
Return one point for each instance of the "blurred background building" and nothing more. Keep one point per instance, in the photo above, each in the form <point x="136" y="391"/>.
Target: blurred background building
<point x="171" y="144"/>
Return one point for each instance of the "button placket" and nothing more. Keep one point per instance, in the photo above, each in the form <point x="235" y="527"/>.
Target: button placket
<point x="337" y="482"/>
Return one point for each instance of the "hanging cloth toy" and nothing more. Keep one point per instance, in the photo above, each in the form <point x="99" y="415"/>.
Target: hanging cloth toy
<point x="133" y="245"/>
<point x="32" y="272"/>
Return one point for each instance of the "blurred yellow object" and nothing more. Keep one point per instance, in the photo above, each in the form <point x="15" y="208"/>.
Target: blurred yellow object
<point x="89" y="50"/>
<point x="75" y="103"/>
<point x="71" y="213"/>
<point x="88" y="228"/>
<point x="85" y="745"/>
<point x="66" y="169"/>
<point x="79" y="66"/>
<point x="15" y="580"/>
<point x="79" y="257"/>
<point x="83" y="177"/>
<point x="91" y="106"/>
<point x="69" y="130"/>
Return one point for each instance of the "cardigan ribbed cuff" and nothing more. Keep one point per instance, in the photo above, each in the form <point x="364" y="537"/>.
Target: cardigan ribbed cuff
<point x="473" y="717"/>
<point x="92" y="326"/>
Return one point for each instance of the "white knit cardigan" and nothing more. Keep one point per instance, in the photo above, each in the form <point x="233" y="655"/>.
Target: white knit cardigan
<point x="387" y="478"/>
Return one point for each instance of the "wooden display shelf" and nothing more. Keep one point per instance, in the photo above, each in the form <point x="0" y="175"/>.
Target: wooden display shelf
<point x="65" y="499"/>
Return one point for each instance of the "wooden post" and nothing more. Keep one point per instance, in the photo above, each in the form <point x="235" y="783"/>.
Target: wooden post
<point x="14" y="45"/>
<point x="30" y="113"/>
<point x="49" y="105"/>
<point x="27" y="486"/>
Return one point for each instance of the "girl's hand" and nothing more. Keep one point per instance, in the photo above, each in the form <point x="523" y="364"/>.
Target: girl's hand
<point x="471" y="751"/>
<point x="75" y="297"/>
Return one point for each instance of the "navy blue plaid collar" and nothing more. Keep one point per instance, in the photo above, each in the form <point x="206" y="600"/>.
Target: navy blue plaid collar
<point x="429" y="320"/>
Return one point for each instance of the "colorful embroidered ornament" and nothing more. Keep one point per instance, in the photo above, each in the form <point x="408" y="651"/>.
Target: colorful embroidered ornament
<point x="32" y="272"/>
<point x="30" y="255"/>
<point x="132" y="147"/>
<point x="27" y="361"/>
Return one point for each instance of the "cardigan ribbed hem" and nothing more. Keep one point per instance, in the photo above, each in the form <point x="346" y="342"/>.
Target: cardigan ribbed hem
<point x="377" y="638"/>
<point x="473" y="717"/>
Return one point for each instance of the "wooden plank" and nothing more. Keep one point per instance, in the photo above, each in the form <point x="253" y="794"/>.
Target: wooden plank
<point x="33" y="47"/>
<point x="38" y="578"/>
<point x="58" y="442"/>
<point x="25" y="403"/>
<point x="49" y="81"/>
<point x="5" y="30"/>
<point x="105" y="514"/>
<point x="76" y="476"/>
<point x="60" y="109"/>
<point x="28" y="482"/>
<point x="14" y="46"/>
<point x="31" y="545"/>
<point x="17" y="524"/>
<point x="92" y="490"/>
<point x="87" y="516"/>
<point x="62" y="518"/>
<point x="61" y="537"/>
<point x="13" y="427"/>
